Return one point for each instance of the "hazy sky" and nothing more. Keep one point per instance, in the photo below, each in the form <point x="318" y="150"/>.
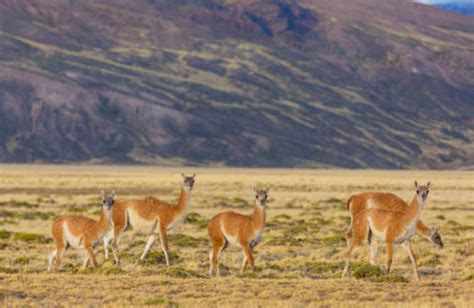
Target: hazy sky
<point x="445" y="1"/>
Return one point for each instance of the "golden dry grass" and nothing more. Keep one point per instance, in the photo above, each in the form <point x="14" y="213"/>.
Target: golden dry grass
<point x="298" y="263"/>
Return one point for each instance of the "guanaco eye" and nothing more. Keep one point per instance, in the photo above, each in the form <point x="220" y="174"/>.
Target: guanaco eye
<point x="417" y="191"/>
<point x="256" y="196"/>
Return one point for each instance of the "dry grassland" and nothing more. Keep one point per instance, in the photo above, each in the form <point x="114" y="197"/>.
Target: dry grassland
<point x="298" y="263"/>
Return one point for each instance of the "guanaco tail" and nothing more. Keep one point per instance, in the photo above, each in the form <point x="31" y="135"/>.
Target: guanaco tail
<point x="80" y="232"/>
<point x="149" y="216"/>
<point x="237" y="229"/>
<point x="395" y="226"/>
<point x="390" y="202"/>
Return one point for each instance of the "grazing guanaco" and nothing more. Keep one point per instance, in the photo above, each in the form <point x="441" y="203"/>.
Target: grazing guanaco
<point x="387" y="201"/>
<point x="80" y="232"/>
<point x="150" y="216"/>
<point x="395" y="226"/>
<point x="237" y="229"/>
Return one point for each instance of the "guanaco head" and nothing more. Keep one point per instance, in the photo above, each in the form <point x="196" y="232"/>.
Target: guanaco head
<point x="188" y="181"/>
<point x="422" y="191"/>
<point x="435" y="238"/>
<point x="108" y="201"/>
<point x="261" y="196"/>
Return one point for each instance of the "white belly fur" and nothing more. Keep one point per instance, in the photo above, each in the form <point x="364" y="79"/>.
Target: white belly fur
<point x="73" y="241"/>
<point x="378" y="234"/>
<point x="140" y="224"/>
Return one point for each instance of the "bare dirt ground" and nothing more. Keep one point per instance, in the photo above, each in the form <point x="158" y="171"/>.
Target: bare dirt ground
<point x="298" y="263"/>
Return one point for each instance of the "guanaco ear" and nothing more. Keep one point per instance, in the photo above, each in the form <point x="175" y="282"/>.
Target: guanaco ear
<point x="103" y="195"/>
<point x="428" y="184"/>
<point x="255" y="189"/>
<point x="266" y="190"/>
<point x="113" y="194"/>
<point x="194" y="175"/>
<point x="183" y="176"/>
<point x="416" y="184"/>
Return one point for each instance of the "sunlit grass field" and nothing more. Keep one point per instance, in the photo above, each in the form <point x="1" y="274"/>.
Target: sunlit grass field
<point x="299" y="261"/>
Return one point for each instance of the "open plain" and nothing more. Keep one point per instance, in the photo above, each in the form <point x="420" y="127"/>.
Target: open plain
<point x="299" y="261"/>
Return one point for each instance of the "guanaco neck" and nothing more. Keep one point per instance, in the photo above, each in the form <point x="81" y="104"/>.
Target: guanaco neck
<point x="184" y="202"/>
<point x="258" y="218"/>
<point x="104" y="220"/>
<point x="414" y="209"/>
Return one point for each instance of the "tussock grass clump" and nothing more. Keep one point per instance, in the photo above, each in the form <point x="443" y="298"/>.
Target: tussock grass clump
<point x="248" y="275"/>
<point x="160" y="300"/>
<point x="18" y="204"/>
<point x="295" y="230"/>
<point x="4" y="234"/>
<point x="179" y="272"/>
<point x="22" y="260"/>
<point x="321" y="221"/>
<point x="389" y="278"/>
<point x="365" y="270"/>
<point x="183" y="240"/>
<point x="321" y="267"/>
<point x="469" y="278"/>
<point x="158" y="258"/>
<point x="283" y="217"/>
<point x="337" y="238"/>
<point x="196" y="219"/>
<point x="37" y="215"/>
<point x="283" y="241"/>
<point x="8" y="270"/>
<point x="7" y="214"/>
<point x="32" y="238"/>
<point x="429" y="259"/>
<point x="104" y="270"/>
<point x="76" y="209"/>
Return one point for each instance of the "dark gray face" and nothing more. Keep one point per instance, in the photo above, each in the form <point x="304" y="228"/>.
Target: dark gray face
<point x="188" y="181"/>
<point x="422" y="191"/>
<point x="261" y="196"/>
<point x="436" y="239"/>
<point x="108" y="201"/>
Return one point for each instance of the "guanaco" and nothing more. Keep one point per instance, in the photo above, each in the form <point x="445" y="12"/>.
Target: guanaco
<point x="386" y="201"/>
<point x="78" y="231"/>
<point x="395" y="226"/>
<point x="239" y="230"/>
<point x="150" y="216"/>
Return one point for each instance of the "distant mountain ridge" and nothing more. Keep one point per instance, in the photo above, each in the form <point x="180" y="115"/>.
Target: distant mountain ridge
<point x="273" y="83"/>
<point x="462" y="8"/>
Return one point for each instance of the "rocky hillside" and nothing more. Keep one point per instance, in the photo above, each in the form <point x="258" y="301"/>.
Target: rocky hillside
<point x="363" y="83"/>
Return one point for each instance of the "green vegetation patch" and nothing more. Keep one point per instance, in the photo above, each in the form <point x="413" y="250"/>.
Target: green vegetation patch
<point x="183" y="240"/>
<point x="158" y="258"/>
<point x="22" y="260"/>
<point x="32" y="238"/>
<point x="7" y="270"/>
<point x="196" y="219"/>
<point x="321" y="267"/>
<point x="295" y="230"/>
<point x="338" y="238"/>
<point x="179" y="272"/>
<point x="18" y="204"/>
<point x="389" y="278"/>
<point x="160" y="300"/>
<point x="4" y="234"/>
<point x="429" y="259"/>
<point x="365" y="270"/>
<point x="283" y="241"/>
<point x="34" y="215"/>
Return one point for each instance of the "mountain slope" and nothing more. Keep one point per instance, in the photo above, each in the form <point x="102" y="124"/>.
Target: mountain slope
<point x="245" y="83"/>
